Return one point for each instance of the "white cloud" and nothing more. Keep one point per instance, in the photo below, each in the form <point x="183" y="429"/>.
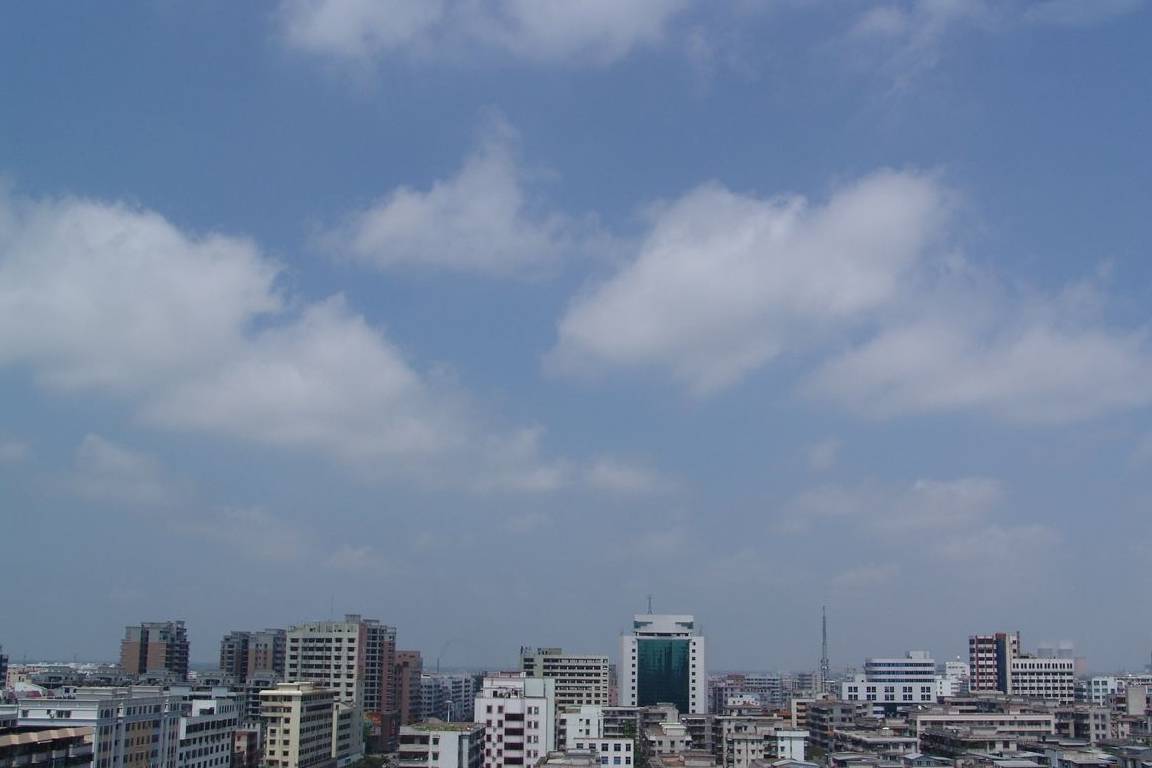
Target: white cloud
<point x="13" y="451"/>
<point x="99" y="298"/>
<point x="252" y="530"/>
<point x="590" y="31"/>
<point x="866" y="576"/>
<point x="725" y="282"/>
<point x="617" y="476"/>
<point x="1081" y="13"/>
<point x="1021" y="369"/>
<point x="823" y="455"/>
<point x="480" y="220"/>
<point x="108" y="472"/>
<point x="957" y="520"/>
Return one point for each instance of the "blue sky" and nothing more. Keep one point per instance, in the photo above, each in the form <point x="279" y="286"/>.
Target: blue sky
<point x="491" y="317"/>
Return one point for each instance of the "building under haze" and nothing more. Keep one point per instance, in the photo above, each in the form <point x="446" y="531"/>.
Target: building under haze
<point x="990" y="661"/>
<point x="662" y="661"/>
<point x="580" y="679"/>
<point x="244" y="655"/>
<point x="155" y="648"/>
<point x="409" y="698"/>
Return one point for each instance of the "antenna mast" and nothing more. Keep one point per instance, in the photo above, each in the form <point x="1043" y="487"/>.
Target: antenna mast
<point x="825" y="666"/>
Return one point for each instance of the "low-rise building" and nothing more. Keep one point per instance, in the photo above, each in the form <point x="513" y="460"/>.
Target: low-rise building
<point x="31" y="747"/>
<point x="437" y="744"/>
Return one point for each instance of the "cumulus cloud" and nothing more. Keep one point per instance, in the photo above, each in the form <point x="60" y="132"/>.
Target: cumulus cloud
<point x="1081" y="13"/>
<point x="109" y="472"/>
<point x="13" y="451"/>
<point x="1023" y="370"/>
<point x="957" y="520"/>
<point x="725" y="282"/>
<point x="592" y="31"/>
<point x="823" y="455"/>
<point x="194" y="333"/>
<point x="480" y="220"/>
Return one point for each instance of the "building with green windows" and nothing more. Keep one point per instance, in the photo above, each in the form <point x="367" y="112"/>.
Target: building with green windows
<point x="662" y="662"/>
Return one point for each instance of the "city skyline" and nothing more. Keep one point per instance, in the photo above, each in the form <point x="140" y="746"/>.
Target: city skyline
<point x="490" y="318"/>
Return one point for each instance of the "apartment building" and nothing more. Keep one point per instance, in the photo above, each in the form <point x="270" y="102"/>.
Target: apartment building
<point x="1050" y="679"/>
<point x="663" y="661"/>
<point x="1013" y="722"/>
<point x="580" y="679"/>
<point x="131" y="727"/>
<point x="306" y="726"/>
<point x="745" y="739"/>
<point x="248" y="654"/>
<point x="207" y="732"/>
<point x="990" y="659"/>
<point x="409" y="670"/>
<point x="441" y="745"/>
<point x="155" y="648"/>
<point x="518" y="714"/>
<point x="64" y="747"/>
<point x="356" y="659"/>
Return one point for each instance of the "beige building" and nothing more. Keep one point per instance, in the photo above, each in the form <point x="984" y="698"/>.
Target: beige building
<point x="355" y="658"/>
<point x="155" y="647"/>
<point x="580" y="679"/>
<point x="306" y="727"/>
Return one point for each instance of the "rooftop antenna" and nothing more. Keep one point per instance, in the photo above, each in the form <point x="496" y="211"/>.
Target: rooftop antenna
<point x="825" y="666"/>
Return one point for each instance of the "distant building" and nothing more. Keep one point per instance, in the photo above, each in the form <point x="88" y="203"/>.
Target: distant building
<point x="447" y="697"/>
<point x="158" y="647"/>
<point x="990" y="661"/>
<point x="518" y="714"/>
<point x="580" y="679"/>
<point x="890" y="684"/>
<point x="436" y="744"/>
<point x="663" y="661"/>
<point x="409" y="670"/>
<point x="3" y="668"/>
<point x="247" y="654"/>
<point x="1048" y="678"/>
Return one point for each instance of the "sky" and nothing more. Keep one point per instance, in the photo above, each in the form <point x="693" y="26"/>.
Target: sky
<point x="491" y="318"/>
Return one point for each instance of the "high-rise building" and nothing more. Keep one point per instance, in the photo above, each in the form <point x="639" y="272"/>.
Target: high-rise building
<point x="409" y="669"/>
<point x="662" y="661"/>
<point x="990" y="661"/>
<point x="580" y="679"/>
<point x="248" y="654"/>
<point x="3" y="668"/>
<point x="441" y="745"/>
<point x="519" y="717"/>
<point x="356" y="658"/>
<point x="155" y="648"/>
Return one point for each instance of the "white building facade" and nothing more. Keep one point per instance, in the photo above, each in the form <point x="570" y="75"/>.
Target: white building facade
<point x="519" y="718"/>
